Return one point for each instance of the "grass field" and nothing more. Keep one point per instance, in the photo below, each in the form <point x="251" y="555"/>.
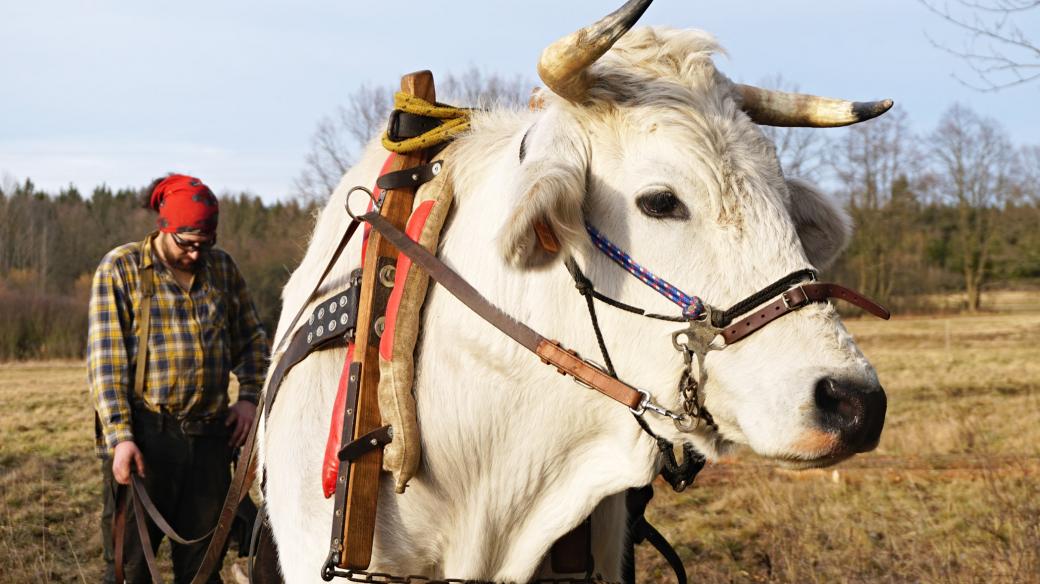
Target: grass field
<point x="951" y="495"/>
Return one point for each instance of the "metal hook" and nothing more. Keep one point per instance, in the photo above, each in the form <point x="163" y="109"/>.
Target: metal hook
<point x="346" y="203"/>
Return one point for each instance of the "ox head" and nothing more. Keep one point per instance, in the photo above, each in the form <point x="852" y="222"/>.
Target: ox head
<point x="645" y="139"/>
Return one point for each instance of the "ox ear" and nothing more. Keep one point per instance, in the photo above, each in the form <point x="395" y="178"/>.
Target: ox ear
<point x="546" y="194"/>
<point x="823" y="225"/>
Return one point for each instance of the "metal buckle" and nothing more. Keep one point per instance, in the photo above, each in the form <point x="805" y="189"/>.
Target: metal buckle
<point x="392" y="125"/>
<point x="787" y="299"/>
<point x="595" y="366"/>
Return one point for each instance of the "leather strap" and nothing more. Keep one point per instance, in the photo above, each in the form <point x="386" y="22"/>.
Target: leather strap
<point x="796" y="298"/>
<point x="410" y="177"/>
<point x="645" y="531"/>
<point x="146" y="290"/>
<point x="140" y="495"/>
<point x="244" y="474"/>
<point x="119" y="529"/>
<point x="297" y="351"/>
<point x="377" y="438"/>
<point x="351" y="228"/>
<point x="145" y="539"/>
<point x="336" y="547"/>
<point x="403" y="125"/>
<point x="567" y="362"/>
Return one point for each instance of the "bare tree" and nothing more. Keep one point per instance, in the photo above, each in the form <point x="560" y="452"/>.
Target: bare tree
<point x="801" y="150"/>
<point x="878" y="168"/>
<point x="339" y="137"/>
<point x="475" y="88"/>
<point x="975" y="163"/>
<point x="999" y="53"/>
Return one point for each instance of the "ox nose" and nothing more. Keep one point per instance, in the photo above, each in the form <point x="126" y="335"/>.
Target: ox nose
<point x="855" y="411"/>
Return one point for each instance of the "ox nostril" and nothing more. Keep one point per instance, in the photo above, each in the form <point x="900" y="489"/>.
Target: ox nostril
<point x="856" y="412"/>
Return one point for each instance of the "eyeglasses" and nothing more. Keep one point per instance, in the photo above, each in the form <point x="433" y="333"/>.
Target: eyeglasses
<point x="199" y="246"/>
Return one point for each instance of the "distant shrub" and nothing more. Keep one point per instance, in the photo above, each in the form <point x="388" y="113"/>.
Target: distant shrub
<point x="36" y="326"/>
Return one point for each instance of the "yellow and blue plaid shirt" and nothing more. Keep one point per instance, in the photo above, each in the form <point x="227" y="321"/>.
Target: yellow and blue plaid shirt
<point x="196" y="339"/>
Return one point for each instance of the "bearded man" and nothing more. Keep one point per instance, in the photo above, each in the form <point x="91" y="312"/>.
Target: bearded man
<point x="162" y="404"/>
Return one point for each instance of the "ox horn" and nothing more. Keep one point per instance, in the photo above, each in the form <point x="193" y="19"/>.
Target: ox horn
<point x="563" y="64"/>
<point x="779" y="108"/>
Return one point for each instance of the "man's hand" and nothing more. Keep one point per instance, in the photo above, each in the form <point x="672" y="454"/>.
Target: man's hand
<point x="126" y="457"/>
<point x="241" y="415"/>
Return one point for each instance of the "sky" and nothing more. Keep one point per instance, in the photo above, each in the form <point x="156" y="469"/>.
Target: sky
<point x="119" y="92"/>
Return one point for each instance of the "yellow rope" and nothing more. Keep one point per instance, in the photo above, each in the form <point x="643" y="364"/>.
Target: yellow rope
<point x="456" y="122"/>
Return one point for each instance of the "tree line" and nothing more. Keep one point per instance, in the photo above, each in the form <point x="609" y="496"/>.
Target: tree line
<point x="954" y="210"/>
<point x="51" y="243"/>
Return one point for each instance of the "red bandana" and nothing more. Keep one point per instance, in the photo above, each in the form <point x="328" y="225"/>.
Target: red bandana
<point x="184" y="204"/>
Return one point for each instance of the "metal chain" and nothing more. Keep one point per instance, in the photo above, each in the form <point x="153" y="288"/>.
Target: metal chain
<point x="688" y="387"/>
<point x="694" y="341"/>
<point x="366" y="577"/>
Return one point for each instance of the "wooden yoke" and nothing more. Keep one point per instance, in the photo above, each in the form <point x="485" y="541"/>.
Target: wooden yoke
<point x="363" y="488"/>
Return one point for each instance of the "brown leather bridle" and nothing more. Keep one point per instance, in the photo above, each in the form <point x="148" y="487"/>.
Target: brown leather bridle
<point x="709" y="324"/>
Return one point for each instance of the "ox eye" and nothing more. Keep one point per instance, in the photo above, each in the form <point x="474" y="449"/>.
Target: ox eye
<point x="662" y="205"/>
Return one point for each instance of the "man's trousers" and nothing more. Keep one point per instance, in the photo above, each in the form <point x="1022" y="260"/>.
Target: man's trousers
<point x="187" y="475"/>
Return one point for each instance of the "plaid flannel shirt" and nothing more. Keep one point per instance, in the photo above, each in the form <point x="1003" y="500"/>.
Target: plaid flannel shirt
<point x="196" y="339"/>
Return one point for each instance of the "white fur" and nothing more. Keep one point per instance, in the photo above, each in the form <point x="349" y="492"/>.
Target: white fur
<point x="515" y="455"/>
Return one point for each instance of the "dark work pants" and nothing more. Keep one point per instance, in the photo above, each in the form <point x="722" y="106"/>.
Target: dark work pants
<point x="187" y="478"/>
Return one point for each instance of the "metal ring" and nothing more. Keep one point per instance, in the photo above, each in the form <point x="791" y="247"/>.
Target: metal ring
<point x="346" y="203"/>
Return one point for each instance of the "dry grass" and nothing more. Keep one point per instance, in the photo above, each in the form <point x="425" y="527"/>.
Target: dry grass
<point x="951" y="495"/>
<point x="50" y="479"/>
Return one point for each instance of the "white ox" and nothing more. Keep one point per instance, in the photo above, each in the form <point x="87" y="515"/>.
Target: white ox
<point x="653" y="145"/>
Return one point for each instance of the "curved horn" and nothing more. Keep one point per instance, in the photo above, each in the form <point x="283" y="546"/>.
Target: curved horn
<point x="562" y="64"/>
<point x="779" y="108"/>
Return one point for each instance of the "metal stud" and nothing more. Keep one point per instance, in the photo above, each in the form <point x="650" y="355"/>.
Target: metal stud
<point x="342" y="301"/>
<point x="321" y="312"/>
<point x="321" y="330"/>
<point x="310" y="337"/>
<point x="380" y="326"/>
<point x="386" y="276"/>
<point x="332" y="306"/>
<point x="436" y="168"/>
<point x="332" y="325"/>
<point x="343" y="318"/>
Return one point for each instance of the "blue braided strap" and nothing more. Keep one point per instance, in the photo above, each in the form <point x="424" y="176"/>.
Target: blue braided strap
<point x="692" y="306"/>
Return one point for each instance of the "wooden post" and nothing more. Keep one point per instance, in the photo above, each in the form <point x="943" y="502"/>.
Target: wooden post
<point x="363" y="489"/>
